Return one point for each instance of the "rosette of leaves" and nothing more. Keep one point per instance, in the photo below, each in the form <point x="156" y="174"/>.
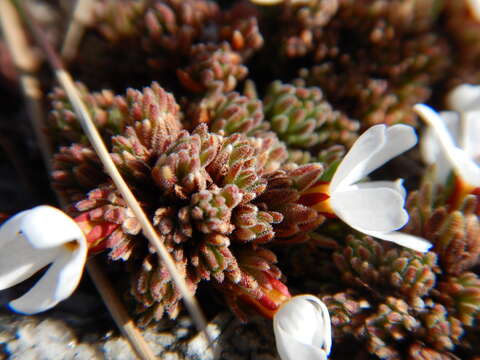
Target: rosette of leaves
<point x="284" y="194"/>
<point x="388" y="328"/>
<point x="463" y="27"/>
<point x="391" y="323"/>
<point x="108" y="111"/>
<point x="455" y="234"/>
<point x="376" y="59"/>
<point x="377" y="99"/>
<point x="228" y="113"/>
<point x="303" y="22"/>
<point x="206" y="214"/>
<point x="440" y="329"/>
<point x="347" y="312"/>
<point x="366" y="263"/>
<point x="212" y="65"/>
<point x="302" y="117"/>
<point x="175" y="25"/>
<point x="461" y="295"/>
<point x="411" y="16"/>
<point x="203" y="193"/>
<point x="108" y="222"/>
<point x="239" y="26"/>
<point x="119" y="20"/>
<point x="194" y="38"/>
<point x="169" y="25"/>
<point x="75" y="170"/>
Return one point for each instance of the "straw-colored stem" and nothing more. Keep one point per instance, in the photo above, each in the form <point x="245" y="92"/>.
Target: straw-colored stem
<point x="90" y="130"/>
<point x="82" y="16"/>
<point x="118" y="312"/>
<point x="96" y="141"/>
<point x="24" y="60"/>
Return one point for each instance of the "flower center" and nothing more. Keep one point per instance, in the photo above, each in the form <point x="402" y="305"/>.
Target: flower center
<point x="95" y="233"/>
<point x="273" y="296"/>
<point x="71" y="245"/>
<point x="318" y="198"/>
<point x="460" y="191"/>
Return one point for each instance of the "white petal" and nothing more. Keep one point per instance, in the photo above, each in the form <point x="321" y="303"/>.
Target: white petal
<point x="46" y="227"/>
<point x="429" y="146"/>
<point x="370" y="209"/>
<point x="72" y="272"/>
<point x="458" y="159"/>
<point x="398" y="139"/>
<point x="31" y="240"/>
<point x="451" y="120"/>
<point x="406" y="240"/>
<point x="470" y="138"/>
<point x="374" y="148"/>
<point x="302" y="329"/>
<point x="56" y="285"/>
<point x="19" y="260"/>
<point x="465" y="97"/>
<point x="352" y="165"/>
<point x="396" y="185"/>
<point x="465" y="167"/>
<point x="10" y="228"/>
<point x="431" y="150"/>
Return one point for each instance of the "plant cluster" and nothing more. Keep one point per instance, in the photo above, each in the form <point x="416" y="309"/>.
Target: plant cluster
<point x="228" y="119"/>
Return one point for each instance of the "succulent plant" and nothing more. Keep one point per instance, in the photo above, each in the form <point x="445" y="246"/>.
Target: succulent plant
<point x="208" y="196"/>
<point x="106" y="109"/>
<point x="211" y="65"/>
<point x="461" y="295"/>
<point x="454" y="233"/>
<point x="442" y="330"/>
<point x="228" y="113"/>
<point x="76" y="169"/>
<point x="392" y="321"/>
<point x="303" y="118"/>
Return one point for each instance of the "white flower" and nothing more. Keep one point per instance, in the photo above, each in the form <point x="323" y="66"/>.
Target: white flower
<point x="451" y="142"/>
<point x="302" y="329"/>
<point x="464" y="97"/>
<point x="375" y="208"/>
<point x="31" y="240"/>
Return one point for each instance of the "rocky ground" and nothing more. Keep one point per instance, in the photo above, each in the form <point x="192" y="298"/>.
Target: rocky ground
<point x="81" y="330"/>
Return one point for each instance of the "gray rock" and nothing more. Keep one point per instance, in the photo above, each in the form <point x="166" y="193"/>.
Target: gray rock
<point x="55" y="336"/>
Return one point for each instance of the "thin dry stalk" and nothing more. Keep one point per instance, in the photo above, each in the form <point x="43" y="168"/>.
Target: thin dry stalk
<point x="90" y="130"/>
<point x="22" y="53"/>
<point x="118" y="312"/>
<point x="81" y="17"/>
<point x="27" y="64"/>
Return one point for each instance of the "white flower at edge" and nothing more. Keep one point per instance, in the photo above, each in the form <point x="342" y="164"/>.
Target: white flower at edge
<point x="451" y="141"/>
<point x="276" y="2"/>
<point x="375" y="208"/>
<point x="302" y="329"/>
<point x="464" y="97"/>
<point x="474" y="6"/>
<point x="33" y="239"/>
